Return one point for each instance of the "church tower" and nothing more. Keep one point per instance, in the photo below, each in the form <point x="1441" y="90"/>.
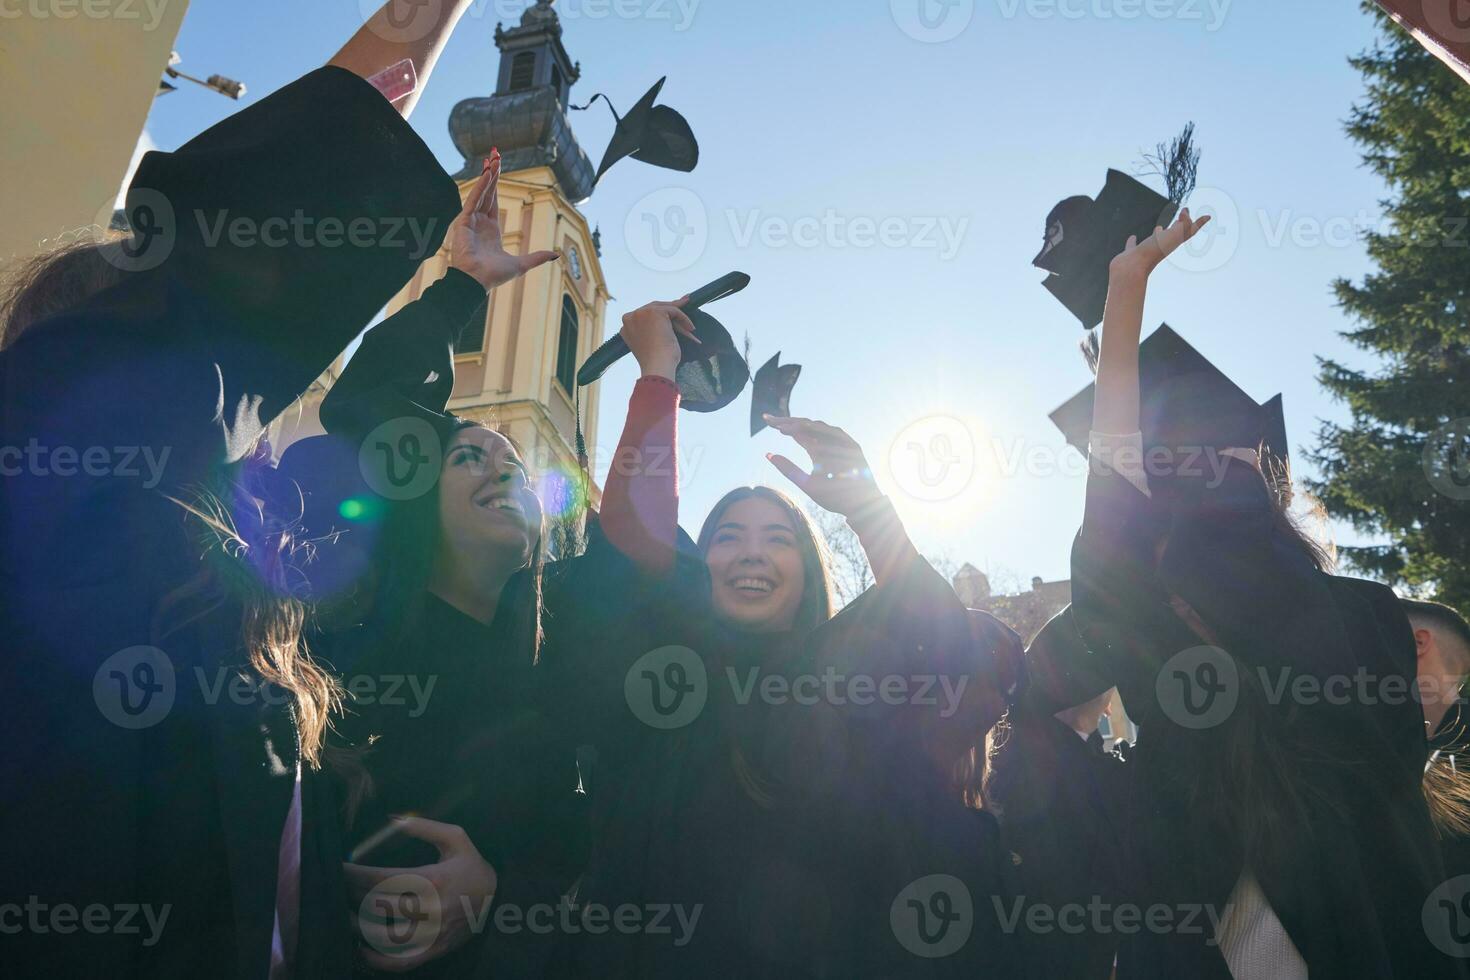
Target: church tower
<point x="515" y="369"/>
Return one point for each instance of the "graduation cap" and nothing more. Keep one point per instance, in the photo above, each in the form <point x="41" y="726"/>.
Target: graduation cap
<point x="654" y="134"/>
<point x="771" y="392"/>
<point x="1084" y="235"/>
<point x="711" y="373"/>
<point x="1185" y="402"/>
<point x="1061" y="672"/>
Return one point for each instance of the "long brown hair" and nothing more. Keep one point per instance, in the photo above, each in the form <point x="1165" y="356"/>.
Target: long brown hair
<point x="52" y="282"/>
<point x="249" y="555"/>
<point x="251" y="560"/>
<point x="405" y="554"/>
<point x="816" y="607"/>
<point x="817" y="602"/>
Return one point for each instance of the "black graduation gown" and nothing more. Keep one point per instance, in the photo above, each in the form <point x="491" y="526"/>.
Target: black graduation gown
<point x="790" y="830"/>
<point x="461" y="737"/>
<point x="1352" y="875"/>
<point x="1062" y="811"/>
<point x="481" y="753"/>
<point x="192" y="357"/>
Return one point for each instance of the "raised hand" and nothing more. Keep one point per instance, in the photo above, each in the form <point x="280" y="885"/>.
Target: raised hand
<point x="1144" y="257"/>
<point x="474" y="239"/>
<point x="649" y="332"/>
<point x="841" y="480"/>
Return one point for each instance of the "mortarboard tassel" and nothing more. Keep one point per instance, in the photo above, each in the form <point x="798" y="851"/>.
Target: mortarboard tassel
<point x="1091" y="350"/>
<point x="1178" y="164"/>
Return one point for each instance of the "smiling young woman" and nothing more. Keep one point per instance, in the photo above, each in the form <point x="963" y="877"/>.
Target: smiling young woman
<point x="792" y="805"/>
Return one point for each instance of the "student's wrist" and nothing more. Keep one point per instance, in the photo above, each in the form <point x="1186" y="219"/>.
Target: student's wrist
<point x="661" y="366"/>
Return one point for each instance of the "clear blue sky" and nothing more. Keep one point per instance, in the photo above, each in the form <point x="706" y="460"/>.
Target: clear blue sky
<point x="824" y="124"/>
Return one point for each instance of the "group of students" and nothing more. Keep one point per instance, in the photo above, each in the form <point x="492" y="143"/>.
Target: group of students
<point x="599" y="765"/>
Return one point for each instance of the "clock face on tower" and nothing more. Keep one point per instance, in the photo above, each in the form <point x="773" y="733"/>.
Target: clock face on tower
<point x="574" y="263"/>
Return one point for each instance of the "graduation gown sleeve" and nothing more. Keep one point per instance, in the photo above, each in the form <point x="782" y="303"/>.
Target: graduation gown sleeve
<point x="168" y="375"/>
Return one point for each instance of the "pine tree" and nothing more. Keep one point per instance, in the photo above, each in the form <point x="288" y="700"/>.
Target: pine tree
<point x="1401" y="469"/>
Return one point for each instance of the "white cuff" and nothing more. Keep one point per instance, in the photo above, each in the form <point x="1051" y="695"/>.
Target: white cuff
<point x="1121" y="454"/>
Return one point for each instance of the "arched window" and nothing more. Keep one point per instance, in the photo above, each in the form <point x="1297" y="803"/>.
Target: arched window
<point x="523" y="71"/>
<point x="566" y="346"/>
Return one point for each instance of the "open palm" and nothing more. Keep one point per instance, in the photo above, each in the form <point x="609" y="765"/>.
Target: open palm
<point x="474" y="239"/>
<point x="1145" y="256"/>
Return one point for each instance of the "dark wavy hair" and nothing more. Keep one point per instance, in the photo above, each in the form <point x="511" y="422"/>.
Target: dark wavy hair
<point x="817" y="602"/>
<point x="405" y="552"/>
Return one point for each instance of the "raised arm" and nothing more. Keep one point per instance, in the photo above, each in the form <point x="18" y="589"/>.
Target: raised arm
<point x="402" y="31"/>
<point x="640" y="504"/>
<point x="1115" y="411"/>
<point x="841" y="481"/>
<point x="405" y="365"/>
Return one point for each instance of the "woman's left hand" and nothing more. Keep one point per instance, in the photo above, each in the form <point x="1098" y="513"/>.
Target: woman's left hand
<point x="474" y="239"/>
<point x="841" y="480"/>
<point x="411" y="916"/>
